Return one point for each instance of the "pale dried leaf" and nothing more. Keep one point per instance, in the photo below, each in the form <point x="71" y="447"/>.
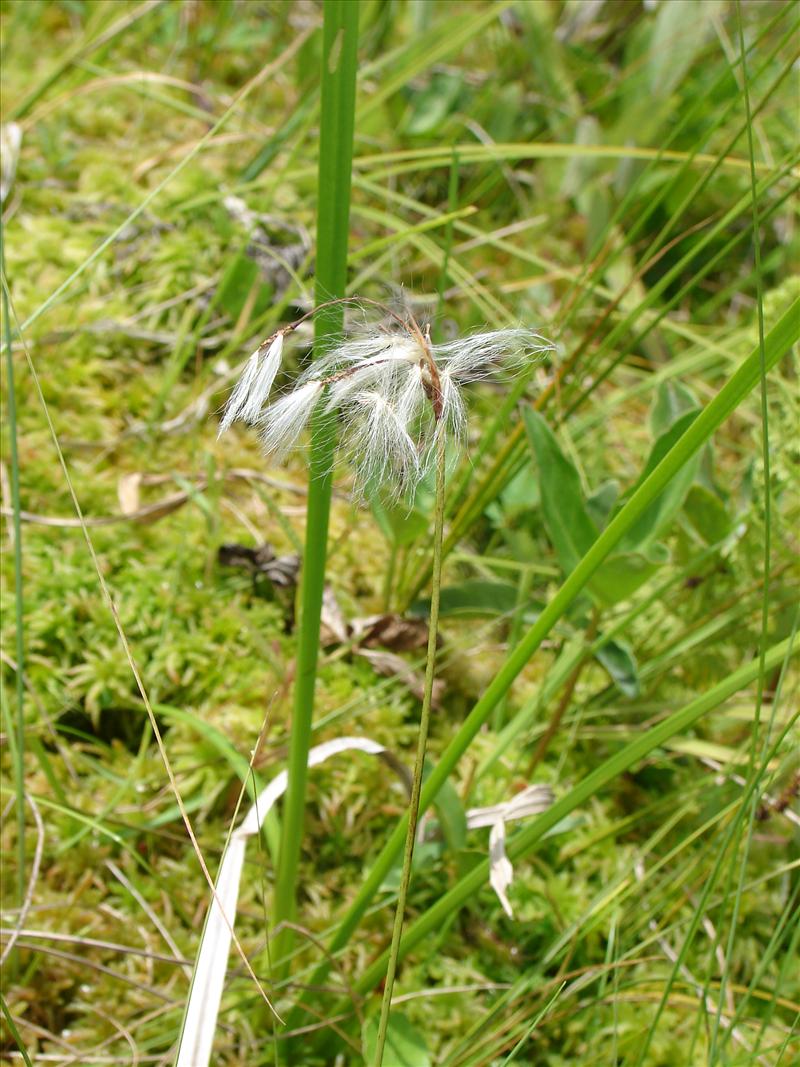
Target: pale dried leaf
<point x="10" y="144"/>
<point x="211" y="964"/>
<point x="128" y="488"/>
<point x="531" y="801"/>
<point x="501" y="873"/>
<point x="334" y="628"/>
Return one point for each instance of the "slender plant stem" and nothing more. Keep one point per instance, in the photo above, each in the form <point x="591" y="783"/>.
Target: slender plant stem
<point x="422" y="743"/>
<point x="748" y="828"/>
<point x="388" y="583"/>
<point x="19" y="761"/>
<point x="452" y="207"/>
<point x="338" y="87"/>
<point x="514" y="634"/>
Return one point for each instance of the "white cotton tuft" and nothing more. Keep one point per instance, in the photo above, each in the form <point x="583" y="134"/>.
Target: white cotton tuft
<point x="262" y="385"/>
<point x="454" y="416"/>
<point x="379" y="373"/>
<point x="238" y="397"/>
<point x="410" y="396"/>
<point x="385" y="346"/>
<point x="380" y="447"/>
<point x="284" y="421"/>
<point x="252" y="389"/>
<point x="396" y="395"/>
<point x="362" y="353"/>
<point x="469" y="359"/>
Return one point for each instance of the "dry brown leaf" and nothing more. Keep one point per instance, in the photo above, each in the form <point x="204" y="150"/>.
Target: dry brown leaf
<point x="281" y="570"/>
<point x="390" y="631"/>
<point x="393" y="666"/>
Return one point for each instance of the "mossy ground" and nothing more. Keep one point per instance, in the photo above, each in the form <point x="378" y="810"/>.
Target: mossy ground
<point x="163" y="315"/>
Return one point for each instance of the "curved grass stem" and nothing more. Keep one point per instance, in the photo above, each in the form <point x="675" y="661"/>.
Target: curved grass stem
<point x="16" y="731"/>
<point x="422" y="742"/>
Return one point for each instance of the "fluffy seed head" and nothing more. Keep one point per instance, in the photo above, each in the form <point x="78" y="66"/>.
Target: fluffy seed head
<point x="395" y="393"/>
<point x="480" y="355"/>
<point x="252" y="389"/>
<point x="284" y="421"/>
<point x="379" y="445"/>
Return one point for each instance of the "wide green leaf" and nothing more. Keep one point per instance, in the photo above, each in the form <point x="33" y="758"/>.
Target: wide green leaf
<point x="623" y="573"/>
<point x="566" y="518"/>
<point x="678" y="35"/>
<point x="405" y="1045"/>
<point x="672" y="400"/>
<point x="707" y="514"/>
<point x="600" y="503"/>
<point x="475" y="597"/>
<point x="620" y="662"/>
<point x="568" y="515"/>
<point x="400" y="525"/>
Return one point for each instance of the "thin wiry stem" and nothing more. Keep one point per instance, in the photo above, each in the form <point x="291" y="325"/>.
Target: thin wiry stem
<point x="19" y="754"/>
<point x="747" y="829"/>
<point x="422" y="743"/>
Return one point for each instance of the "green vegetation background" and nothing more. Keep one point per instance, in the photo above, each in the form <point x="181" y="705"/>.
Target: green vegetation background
<point x="600" y="191"/>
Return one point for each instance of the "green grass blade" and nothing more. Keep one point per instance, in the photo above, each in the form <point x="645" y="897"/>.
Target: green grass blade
<point x="338" y="89"/>
<point x="15" y="1034"/>
<point x="780" y="338"/>
<point x="82" y="51"/>
<point x="524" y="842"/>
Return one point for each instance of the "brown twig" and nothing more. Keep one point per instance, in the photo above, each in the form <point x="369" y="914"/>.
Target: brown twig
<point x="563" y="704"/>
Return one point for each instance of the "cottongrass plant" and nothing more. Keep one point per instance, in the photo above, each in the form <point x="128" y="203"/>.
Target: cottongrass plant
<point x="395" y="391"/>
<point x="399" y="400"/>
